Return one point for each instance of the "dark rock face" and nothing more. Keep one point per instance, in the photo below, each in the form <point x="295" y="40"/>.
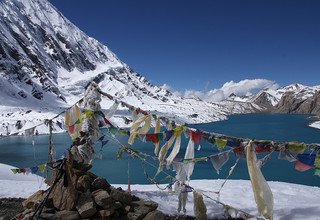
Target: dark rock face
<point x="290" y="104"/>
<point x="263" y="101"/>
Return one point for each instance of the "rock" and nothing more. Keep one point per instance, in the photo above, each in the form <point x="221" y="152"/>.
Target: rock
<point x="155" y="215"/>
<point x="84" y="183"/>
<point x="141" y="209"/>
<point x="121" y="196"/>
<point x="105" y="213"/>
<point x="128" y="208"/>
<point x="32" y="200"/>
<point x="45" y="215"/>
<point x="103" y="199"/>
<point x="69" y="215"/>
<point x="86" y="206"/>
<point x="152" y="205"/>
<point x="100" y="183"/>
<point x="65" y="198"/>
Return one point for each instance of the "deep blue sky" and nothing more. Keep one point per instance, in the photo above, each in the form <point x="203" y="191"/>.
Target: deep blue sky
<point x="188" y="43"/>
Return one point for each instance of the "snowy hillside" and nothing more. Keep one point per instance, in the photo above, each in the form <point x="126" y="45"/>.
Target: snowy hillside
<point x="46" y="62"/>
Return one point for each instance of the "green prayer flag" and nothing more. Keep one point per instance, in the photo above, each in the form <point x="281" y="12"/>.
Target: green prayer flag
<point x="123" y="132"/>
<point x="296" y="147"/>
<point x="113" y="130"/>
<point x="317" y="172"/>
<point x="317" y="161"/>
<point x="42" y="167"/>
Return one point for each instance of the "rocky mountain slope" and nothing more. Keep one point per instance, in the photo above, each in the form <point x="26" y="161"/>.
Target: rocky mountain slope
<point x="46" y="61"/>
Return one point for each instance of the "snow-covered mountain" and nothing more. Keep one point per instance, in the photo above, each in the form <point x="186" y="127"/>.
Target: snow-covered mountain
<point x="294" y="98"/>
<point x="46" y="61"/>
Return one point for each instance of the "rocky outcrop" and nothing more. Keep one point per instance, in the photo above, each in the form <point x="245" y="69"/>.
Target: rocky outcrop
<point x="263" y="101"/>
<point x="290" y="104"/>
<point x="82" y="195"/>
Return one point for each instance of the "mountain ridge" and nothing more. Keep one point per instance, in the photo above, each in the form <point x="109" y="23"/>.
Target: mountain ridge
<point x="46" y="61"/>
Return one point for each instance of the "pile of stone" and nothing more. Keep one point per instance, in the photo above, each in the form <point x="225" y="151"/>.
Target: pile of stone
<point x="83" y="195"/>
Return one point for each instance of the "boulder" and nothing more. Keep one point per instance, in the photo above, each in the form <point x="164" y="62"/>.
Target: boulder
<point x="103" y="199"/>
<point x="141" y="209"/>
<point x="155" y="215"/>
<point x="84" y="183"/>
<point x="105" y="213"/>
<point x="32" y="200"/>
<point x="121" y="196"/>
<point x="69" y="215"/>
<point x="152" y="205"/>
<point x="65" y="197"/>
<point x="86" y="206"/>
<point x="100" y="183"/>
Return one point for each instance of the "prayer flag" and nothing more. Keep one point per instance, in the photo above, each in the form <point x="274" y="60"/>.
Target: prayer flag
<point x="219" y="160"/>
<point x="317" y="161"/>
<point x="29" y="131"/>
<point x="195" y="136"/>
<point x="221" y="143"/>
<point x="307" y="159"/>
<point x="301" y="166"/>
<point x="296" y="147"/>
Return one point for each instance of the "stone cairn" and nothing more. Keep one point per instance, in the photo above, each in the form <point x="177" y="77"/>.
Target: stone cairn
<point x="76" y="193"/>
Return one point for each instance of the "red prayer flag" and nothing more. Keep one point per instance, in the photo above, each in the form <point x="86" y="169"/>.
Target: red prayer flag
<point x="71" y="129"/>
<point x="107" y="121"/>
<point x="195" y="136"/>
<point x="152" y="137"/>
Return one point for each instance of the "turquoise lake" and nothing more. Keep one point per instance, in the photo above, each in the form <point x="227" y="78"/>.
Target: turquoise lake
<point x="18" y="151"/>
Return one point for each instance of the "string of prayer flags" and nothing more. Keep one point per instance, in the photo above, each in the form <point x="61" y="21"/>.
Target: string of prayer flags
<point x="296" y="147"/>
<point x="103" y="140"/>
<point x="261" y="190"/>
<point x="181" y="171"/>
<point x="59" y="124"/>
<point x="155" y="139"/>
<point x="264" y="160"/>
<point x="221" y="142"/>
<point x="218" y="160"/>
<point x="135" y="130"/>
<point x="285" y="154"/>
<point x="33" y="170"/>
<point x="233" y="142"/>
<point x="168" y="135"/>
<point x="29" y="131"/>
<point x="177" y="133"/>
<point x="307" y="159"/>
<point x="112" y="110"/>
<point x="239" y="151"/>
<point x="304" y="162"/>
<point x="112" y="129"/>
<point x="195" y="136"/>
<point x="73" y="121"/>
<point x="189" y="155"/>
<point x="157" y="131"/>
<point x="263" y="146"/>
<point x="317" y="165"/>
<point x="163" y="152"/>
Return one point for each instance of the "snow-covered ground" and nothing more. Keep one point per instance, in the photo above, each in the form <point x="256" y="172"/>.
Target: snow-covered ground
<point x="18" y="185"/>
<point x="291" y="201"/>
<point x="315" y="124"/>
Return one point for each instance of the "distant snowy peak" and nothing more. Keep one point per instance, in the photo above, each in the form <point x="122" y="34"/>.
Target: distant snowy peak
<point x="270" y="98"/>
